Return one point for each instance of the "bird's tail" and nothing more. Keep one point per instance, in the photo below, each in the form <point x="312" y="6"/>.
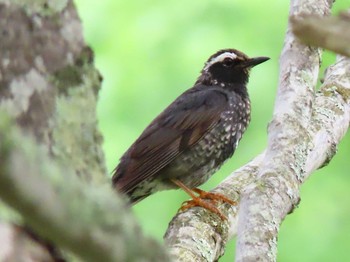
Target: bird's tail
<point x="118" y="184"/>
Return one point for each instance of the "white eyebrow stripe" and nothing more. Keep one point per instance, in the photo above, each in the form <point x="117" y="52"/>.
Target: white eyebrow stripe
<point x="221" y="58"/>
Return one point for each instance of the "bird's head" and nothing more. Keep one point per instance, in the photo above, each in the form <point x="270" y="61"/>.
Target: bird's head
<point x="228" y="67"/>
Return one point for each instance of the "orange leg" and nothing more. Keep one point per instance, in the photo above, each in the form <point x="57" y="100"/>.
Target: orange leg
<point x="199" y="200"/>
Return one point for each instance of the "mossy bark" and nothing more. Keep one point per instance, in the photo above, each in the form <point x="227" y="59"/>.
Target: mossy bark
<point x="52" y="167"/>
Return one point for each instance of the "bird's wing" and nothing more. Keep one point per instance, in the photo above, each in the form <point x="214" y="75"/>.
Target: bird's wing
<point x="176" y="129"/>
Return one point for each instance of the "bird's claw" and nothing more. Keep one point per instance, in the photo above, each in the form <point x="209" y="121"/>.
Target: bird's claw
<point x="208" y="201"/>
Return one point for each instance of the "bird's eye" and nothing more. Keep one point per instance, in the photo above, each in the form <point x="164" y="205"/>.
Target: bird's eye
<point x="228" y="62"/>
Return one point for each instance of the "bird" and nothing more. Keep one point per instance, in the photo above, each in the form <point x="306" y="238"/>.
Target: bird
<point x="193" y="137"/>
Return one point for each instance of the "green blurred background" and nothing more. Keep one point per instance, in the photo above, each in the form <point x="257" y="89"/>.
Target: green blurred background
<point x="149" y="52"/>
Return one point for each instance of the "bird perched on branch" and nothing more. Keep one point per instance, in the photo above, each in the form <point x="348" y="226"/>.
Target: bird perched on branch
<point x="186" y="143"/>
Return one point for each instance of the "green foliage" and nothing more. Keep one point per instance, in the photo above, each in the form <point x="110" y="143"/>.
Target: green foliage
<point x="149" y="52"/>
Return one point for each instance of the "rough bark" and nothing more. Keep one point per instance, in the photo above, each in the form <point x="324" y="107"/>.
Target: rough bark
<point x="49" y="83"/>
<point x="303" y="136"/>
<point x="80" y="217"/>
<point x="46" y="71"/>
<point x="52" y="169"/>
<point x="275" y="192"/>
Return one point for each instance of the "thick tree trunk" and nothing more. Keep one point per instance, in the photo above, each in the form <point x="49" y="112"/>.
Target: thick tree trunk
<point x="52" y="168"/>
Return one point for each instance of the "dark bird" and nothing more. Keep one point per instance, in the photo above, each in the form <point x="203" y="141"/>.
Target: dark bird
<point x="186" y="143"/>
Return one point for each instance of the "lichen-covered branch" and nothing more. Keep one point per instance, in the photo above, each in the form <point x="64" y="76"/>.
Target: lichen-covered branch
<point x="331" y="116"/>
<point x="303" y="136"/>
<point x="267" y="201"/>
<point x="53" y="171"/>
<point x="330" y="111"/>
<point x="48" y="83"/>
<point x="329" y="123"/>
<point x="199" y="235"/>
<point x="332" y="33"/>
<point x="190" y="235"/>
<point x="89" y="220"/>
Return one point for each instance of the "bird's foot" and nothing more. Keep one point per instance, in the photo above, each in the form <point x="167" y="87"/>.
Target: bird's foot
<point x="214" y="196"/>
<point x="204" y="199"/>
<point x="209" y="205"/>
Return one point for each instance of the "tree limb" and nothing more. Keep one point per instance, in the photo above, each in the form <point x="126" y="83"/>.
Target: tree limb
<point x="199" y="235"/>
<point x="332" y="33"/>
<point x="267" y="201"/>
<point x="49" y="85"/>
<point x="58" y="181"/>
<point x="85" y="219"/>
<point x="310" y="138"/>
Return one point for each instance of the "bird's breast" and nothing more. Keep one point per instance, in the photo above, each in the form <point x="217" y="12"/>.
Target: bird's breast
<point x="196" y="165"/>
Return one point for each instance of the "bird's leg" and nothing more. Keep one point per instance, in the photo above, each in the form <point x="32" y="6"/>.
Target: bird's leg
<point x="199" y="200"/>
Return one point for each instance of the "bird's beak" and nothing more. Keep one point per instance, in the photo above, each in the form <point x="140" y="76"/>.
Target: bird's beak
<point x="255" y="61"/>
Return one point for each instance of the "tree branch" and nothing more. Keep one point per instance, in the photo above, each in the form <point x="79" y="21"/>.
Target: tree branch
<point x="299" y="143"/>
<point x="331" y="116"/>
<point x="197" y="234"/>
<point x="267" y="201"/>
<point x="84" y="219"/>
<point x="332" y="33"/>
<point x="57" y="181"/>
<point x="330" y="122"/>
<point x="49" y="85"/>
